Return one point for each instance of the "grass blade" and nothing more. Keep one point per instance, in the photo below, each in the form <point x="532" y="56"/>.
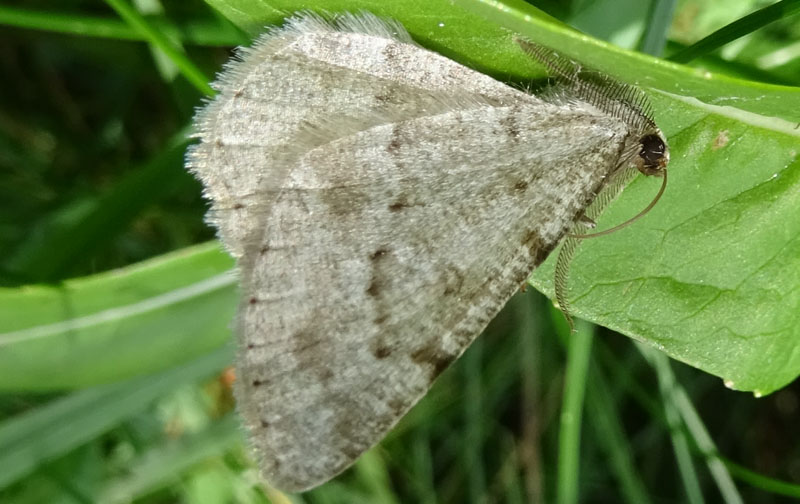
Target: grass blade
<point x="569" y="439"/>
<point x="160" y="41"/>
<point x="738" y="28"/>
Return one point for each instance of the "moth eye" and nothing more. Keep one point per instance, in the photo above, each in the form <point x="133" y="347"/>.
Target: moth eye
<point x="652" y="152"/>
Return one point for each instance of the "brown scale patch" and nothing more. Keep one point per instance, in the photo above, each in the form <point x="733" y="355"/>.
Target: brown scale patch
<point x="257" y="383"/>
<point x="349" y="428"/>
<point x="382" y="351"/>
<point x="378" y="254"/>
<point x="395" y="141"/>
<point x="402" y="203"/>
<point x="343" y="199"/>
<point x="326" y="374"/>
<point x="264" y="250"/>
<point x="376" y="282"/>
<point x="389" y="52"/>
<point x="432" y="355"/>
<point x="398" y="406"/>
<point x="399" y="205"/>
<point x="303" y="341"/>
<point x="539" y="250"/>
<point x="463" y="334"/>
<point x="394" y="145"/>
<point x="265" y="424"/>
<point x="453" y="281"/>
<point x="520" y="186"/>
<point x="374" y="288"/>
<point x="253" y="300"/>
<point x="238" y="206"/>
<point x="510" y="126"/>
<point x="351" y="450"/>
<point x="380" y="319"/>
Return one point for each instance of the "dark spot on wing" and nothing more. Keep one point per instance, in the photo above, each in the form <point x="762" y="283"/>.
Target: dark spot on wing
<point x="402" y="203"/>
<point x="218" y="143"/>
<point x="378" y="254"/>
<point x="520" y="185"/>
<point x="374" y="288"/>
<point x="536" y="246"/>
<point x="432" y="355"/>
<point x="398" y="205"/>
<point x="264" y="424"/>
<point x="453" y="280"/>
<point x="350" y="450"/>
<point x="348" y="426"/>
<point x="238" y="93"/>
<point x="390" y="52"/>
<point x="510" y="126"/>
<point x="325" y="374"/>
<point x="303" y="341"/>
<point x="257" y="383"/>
<point x="264" y="249"/>
<point x="376" y="282"/>
<point x="382" y="351"/>
<point x="253" y="300"/>
<point x="238" y="206"/>
<point x="463" y="334"/>
<point x="394" y="145"/>
<point x="398" y="406"/>
<point x="344" y="199"/>
<point x="395" y="141"/>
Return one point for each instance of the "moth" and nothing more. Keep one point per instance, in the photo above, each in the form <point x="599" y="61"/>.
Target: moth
<point x="383" y="203"/>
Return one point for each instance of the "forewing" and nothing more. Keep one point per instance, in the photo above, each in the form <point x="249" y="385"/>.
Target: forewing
<point x="358" y="70"/>
<point x="385" y="255"/>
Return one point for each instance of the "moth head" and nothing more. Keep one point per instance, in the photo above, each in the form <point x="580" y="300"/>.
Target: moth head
<point x="653" y="155"/>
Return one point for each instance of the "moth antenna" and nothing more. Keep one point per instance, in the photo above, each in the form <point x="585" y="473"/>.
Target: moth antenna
<point x="625" y="102"/>
<point x="632" y="219"/>
<point x="555" y="63"/>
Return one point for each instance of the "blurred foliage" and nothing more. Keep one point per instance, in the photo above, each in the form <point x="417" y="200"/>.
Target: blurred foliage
<point x="92" y="134"/>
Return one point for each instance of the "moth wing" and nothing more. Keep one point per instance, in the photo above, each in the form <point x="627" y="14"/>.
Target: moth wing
<point x="385" y="254"/>
<point x="359" y="70"/>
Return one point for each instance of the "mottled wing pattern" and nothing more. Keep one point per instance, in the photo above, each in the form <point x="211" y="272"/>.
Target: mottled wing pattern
<point x="359" y="70"/>
<point x="385" y="255"/>
<point x="384" y="203"/>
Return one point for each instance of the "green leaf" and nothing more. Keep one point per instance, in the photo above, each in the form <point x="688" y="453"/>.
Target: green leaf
<point x="116" y="325"/>
<point x="739" y="28"/>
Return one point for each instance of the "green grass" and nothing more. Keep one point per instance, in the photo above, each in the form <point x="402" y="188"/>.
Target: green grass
<point x="115" y="309"/>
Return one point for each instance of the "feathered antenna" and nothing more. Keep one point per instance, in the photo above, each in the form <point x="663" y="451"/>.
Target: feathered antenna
<point x="625" y="102"/>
